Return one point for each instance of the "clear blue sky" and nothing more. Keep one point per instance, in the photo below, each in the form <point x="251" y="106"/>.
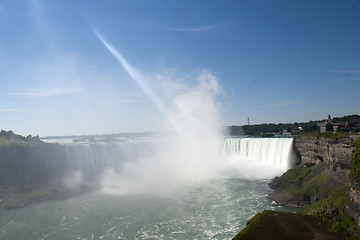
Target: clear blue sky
<point x="276" y="61"/>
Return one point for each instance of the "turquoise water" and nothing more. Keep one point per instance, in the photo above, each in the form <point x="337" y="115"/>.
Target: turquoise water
<point x="214" y="209"/>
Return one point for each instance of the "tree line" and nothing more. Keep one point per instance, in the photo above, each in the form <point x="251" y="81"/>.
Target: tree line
<point x="272" y="128"/>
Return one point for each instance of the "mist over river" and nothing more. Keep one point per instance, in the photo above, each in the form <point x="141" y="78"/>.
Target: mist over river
<point x="214" y="209"/>
<point x="144" y="193"/>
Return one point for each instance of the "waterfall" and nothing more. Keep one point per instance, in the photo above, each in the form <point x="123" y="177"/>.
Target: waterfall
<point x="252" y="158"/>
<point x="88" y="160"/>
<point x="258" y="157"/>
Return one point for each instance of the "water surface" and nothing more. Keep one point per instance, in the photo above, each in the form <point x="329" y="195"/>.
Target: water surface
<point x="214" y="209"/>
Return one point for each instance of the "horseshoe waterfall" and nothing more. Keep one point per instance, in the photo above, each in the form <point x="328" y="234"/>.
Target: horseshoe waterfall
<point x="144" y="187"/>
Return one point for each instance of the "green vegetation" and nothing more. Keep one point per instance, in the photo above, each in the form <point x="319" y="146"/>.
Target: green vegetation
<point x="354" y="175"/>
<point x="296" y="128"/>
<point x="10" y="138"/>
<point x="320" y="195"/>
<point x="272" y="128"/>
<point x="331" y="209"/>
<point x="303" y="186"/>
<point x="283" y="226"/>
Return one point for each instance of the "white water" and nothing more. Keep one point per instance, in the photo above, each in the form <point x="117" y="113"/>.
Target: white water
<point x="215" y="209"/>
<point x="191" y="185"/>
<point x="138" y="164"/>
<point x="140" y="198"/>
<point x="258" y="158"/>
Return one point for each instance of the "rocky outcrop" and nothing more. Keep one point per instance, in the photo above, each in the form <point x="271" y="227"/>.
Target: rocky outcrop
<point x="353" y="209"/>
<point x="334" y="154"/>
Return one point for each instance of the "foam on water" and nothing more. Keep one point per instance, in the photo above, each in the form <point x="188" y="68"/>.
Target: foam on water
<point x="214" y="209"/>
<point x="258" y="158"/>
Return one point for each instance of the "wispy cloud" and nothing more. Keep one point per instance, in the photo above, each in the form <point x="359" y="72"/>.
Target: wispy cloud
<point x="2" y="6"/>
<point x="199" y="29"/>
<point x="47" y="92"/>
<point x="346" y="71"/>
<point x="8" y="109"/>
<point x="281" y="103"/>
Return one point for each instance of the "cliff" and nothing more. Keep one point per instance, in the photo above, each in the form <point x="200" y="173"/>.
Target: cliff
<point x="324" y="165"/>
<point x="321" y="183"/>
<point x="340" y="157"/>
<point x="334" y="154"/>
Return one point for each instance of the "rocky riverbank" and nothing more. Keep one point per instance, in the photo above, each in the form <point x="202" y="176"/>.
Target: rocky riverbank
<point x="320" y="184"/>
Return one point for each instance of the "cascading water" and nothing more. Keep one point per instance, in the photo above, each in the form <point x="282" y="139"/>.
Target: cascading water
<point x="215" y="208"/>
<point x="87" y="161"/>
<point x="250" y="158"/>
<point x="188" y="185"/>
<point x="258" y="158"/>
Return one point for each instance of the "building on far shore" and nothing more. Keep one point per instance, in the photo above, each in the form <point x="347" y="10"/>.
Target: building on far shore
<point x="328" y="126"/>
<point x="350" y="126"/>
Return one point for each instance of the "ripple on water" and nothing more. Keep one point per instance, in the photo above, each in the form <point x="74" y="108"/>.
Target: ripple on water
<point x="216" y="209"/>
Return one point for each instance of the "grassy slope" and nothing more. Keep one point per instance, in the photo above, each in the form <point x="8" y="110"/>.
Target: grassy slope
<point x="284" y="226"/>
<point x="300" y="185"/>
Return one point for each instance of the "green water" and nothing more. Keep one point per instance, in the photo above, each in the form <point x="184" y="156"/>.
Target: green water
<point x="215" y="209"/>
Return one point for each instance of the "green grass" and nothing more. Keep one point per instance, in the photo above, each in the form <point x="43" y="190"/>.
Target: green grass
<point x="300" y="184"/>
<point x="331" y="205"/>
<point x="270" y="225"/>
<point x="354" y="175"/>
<point x="317" y="184"/>
<point x="331" y="209"/>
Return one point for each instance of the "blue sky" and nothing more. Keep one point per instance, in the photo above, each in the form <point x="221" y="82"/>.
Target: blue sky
<point x="275" y="61"/>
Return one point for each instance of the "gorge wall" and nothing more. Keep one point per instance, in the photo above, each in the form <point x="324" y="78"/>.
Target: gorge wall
<point x="335" y="155"/>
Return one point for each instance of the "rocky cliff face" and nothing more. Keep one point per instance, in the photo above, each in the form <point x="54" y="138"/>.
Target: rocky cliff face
<point x="354" y="208"/>
<point x="334" y="154"/>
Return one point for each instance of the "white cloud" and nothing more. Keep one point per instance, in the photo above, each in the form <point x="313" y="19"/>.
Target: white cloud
<point x="200" y="29"/>
<point x="48" y="92"/>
